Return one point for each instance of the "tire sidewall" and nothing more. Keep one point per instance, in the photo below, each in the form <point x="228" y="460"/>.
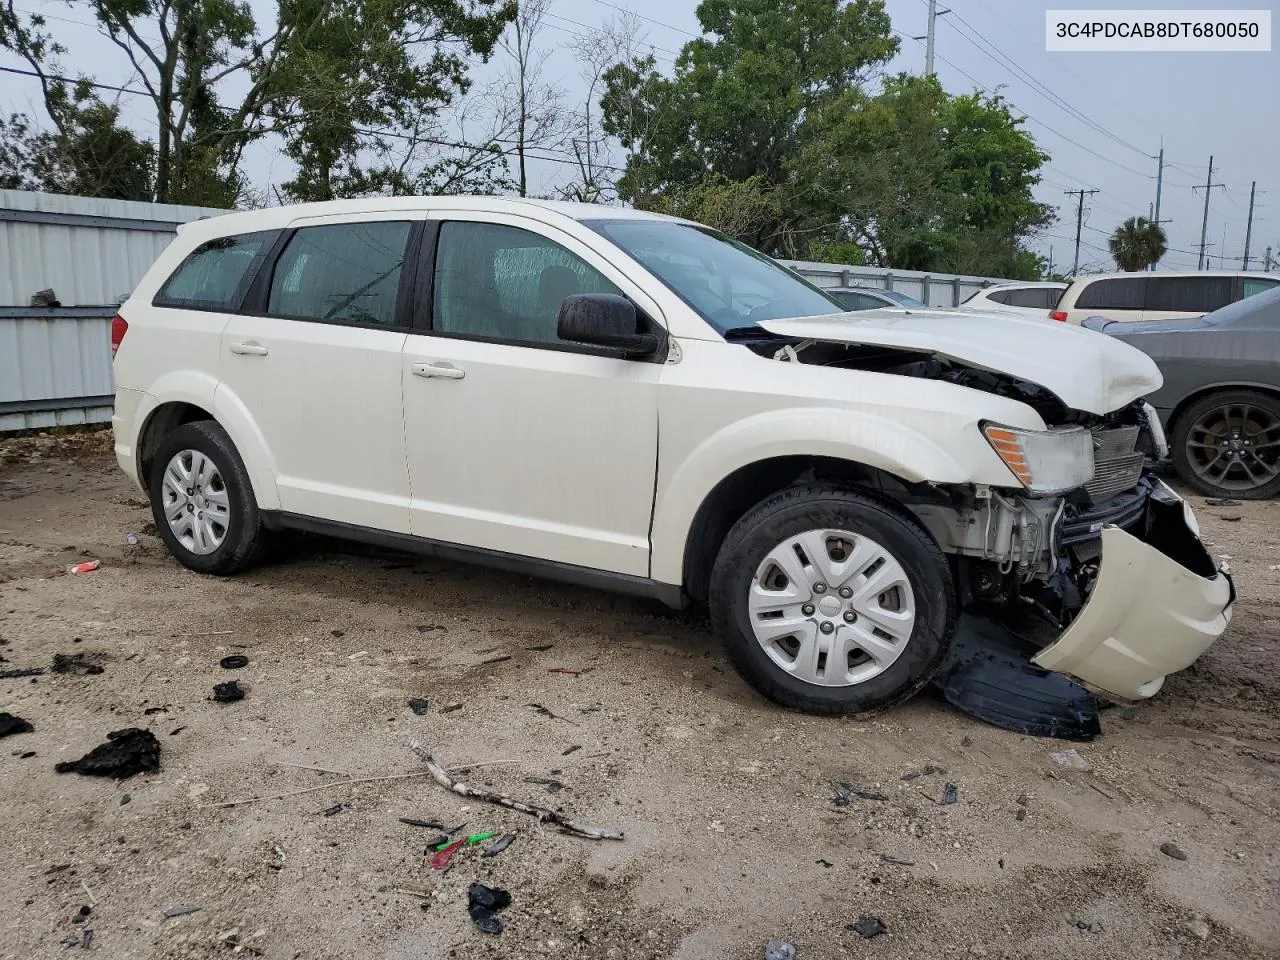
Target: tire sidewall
<point x="240" y="542"/>
<point x="1191" y="416"/>
<point x="764" y="528"/>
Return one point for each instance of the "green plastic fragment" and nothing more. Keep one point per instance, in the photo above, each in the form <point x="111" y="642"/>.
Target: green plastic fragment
<point x="480" y="837"/>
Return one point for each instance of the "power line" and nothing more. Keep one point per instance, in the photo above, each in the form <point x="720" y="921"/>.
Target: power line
<point x="641" y="16"/>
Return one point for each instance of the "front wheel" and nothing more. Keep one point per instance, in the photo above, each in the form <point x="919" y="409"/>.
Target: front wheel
<point x="830" y="601"/>
<point x="1228" y="445"/>
<point x="202" y="500"/>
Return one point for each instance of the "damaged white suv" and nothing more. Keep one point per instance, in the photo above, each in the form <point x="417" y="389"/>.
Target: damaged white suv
<point x="638" y="403"/>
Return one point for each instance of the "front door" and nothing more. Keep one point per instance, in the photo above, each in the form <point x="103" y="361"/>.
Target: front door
<point x="316" y="370"/>
<point x="517" y="441"/>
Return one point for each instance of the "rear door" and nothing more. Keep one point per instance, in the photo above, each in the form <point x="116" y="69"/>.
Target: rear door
<point x="1181" y="297"/>
<point x="314" y="365"/>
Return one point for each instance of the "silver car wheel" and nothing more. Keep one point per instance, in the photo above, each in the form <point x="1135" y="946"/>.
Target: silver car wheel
<point x="831" y="607"/>
<point x="196" y="504"/>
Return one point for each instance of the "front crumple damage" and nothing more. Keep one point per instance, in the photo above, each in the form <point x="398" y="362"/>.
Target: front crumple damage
<point x="1158" y="601"/>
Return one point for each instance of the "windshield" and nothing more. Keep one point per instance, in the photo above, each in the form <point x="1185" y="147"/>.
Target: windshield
<point x="730" y="285"/>
<point x="902" y="298"/>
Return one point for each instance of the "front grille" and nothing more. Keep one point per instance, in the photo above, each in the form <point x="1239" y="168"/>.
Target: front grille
<point x="1117" y="465"/>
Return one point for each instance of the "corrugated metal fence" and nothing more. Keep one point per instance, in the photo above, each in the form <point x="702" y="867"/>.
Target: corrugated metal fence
<point x="55" y="363"/>
<point x="934" y="289"/>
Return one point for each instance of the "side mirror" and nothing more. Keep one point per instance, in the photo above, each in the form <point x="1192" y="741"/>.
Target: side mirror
<point x="604" y="320"/>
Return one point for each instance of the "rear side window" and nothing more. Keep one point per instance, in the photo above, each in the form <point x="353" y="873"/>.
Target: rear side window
<point x="1189" y="294"/>
<point x="1253" y="285"/>
<point x="1037" y="298"/>
<point x="858" y="301"/>
<point x="217" y="273"/>
<point x="1120" y="293"/>
<point x="1000" y="296"/>
<point x="343" y="272"/>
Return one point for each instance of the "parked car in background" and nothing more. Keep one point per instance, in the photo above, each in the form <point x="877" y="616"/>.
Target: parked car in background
<point x="1032" y="299"/>
<point x="1220" y="401"/>
<point x="872" y="298"/>
<point x="639" y="403"/>
<point x="1130" y="297"/>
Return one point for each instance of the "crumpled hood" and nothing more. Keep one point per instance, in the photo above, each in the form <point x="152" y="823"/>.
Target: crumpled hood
<point x="1086" y="370"/>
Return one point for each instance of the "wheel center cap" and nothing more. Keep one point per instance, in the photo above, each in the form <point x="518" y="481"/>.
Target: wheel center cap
<point x="829" y="605"/>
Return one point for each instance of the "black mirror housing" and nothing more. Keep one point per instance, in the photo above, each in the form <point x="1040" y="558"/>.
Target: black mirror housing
<point x="605" y="320"/>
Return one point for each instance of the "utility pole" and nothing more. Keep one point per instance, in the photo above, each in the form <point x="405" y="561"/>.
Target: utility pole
<point x="934" y="14"/>
<point x="1155" y="218"/>
<point x="1049" y="272"/>
<point x="1267" y="263"/>
<point x="1204" y="224"/>
<point x="1079" y="223"/>
<point x="1248" y="231"/>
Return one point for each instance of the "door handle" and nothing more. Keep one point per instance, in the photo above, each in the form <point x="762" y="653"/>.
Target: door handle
<point x="438" y="368"/>
<point x="248" y="348"/>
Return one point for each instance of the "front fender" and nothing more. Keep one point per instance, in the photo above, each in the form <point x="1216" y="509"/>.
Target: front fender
<point x="855" y="436"/>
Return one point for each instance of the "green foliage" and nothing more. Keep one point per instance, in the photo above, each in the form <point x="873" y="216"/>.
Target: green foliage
<point x="1137" y="244"/>
<point x="737" y="209"/>
<point x="775" y="93"/>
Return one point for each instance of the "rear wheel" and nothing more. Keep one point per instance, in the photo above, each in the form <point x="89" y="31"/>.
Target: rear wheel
<point x="831" y="601"/>
<point x="202" y="500"/>
<point x="1228" y="445"/>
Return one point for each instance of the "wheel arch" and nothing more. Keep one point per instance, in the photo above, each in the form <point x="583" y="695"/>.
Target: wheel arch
<point x="1200" y="393"/>
<point x="754" y="482"/>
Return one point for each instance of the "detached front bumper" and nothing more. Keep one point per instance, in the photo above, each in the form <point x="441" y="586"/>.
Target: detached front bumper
<point x="1159" y="602"/>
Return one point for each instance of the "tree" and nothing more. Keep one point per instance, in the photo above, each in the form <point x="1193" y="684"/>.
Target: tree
<point x="338" y="79"/>
<point x="534" y="107"/>
<point x="1137" y="244"/>
<point x="909" y="175"/>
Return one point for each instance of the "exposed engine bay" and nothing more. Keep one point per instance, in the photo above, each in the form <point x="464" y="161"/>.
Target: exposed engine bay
<point x="1016" y="551"/>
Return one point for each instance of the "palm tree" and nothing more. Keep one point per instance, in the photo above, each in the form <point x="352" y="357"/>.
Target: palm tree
<point x="1137" y="244"/>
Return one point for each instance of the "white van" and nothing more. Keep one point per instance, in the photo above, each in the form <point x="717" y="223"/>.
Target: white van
<point x="1157" y="296"/>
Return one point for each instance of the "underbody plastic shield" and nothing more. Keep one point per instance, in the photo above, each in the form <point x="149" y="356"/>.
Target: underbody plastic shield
<point x="1149" y="615"/>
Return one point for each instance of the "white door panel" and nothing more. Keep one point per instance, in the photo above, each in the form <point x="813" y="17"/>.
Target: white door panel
<point x="533" y="452"/>
<point x="327" y="401"/>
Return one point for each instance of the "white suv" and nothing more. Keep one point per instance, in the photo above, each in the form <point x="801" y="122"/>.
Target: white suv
<point x="638" y="403"/>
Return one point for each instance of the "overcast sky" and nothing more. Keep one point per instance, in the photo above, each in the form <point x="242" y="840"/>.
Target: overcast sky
<point x="1100" y="116"/>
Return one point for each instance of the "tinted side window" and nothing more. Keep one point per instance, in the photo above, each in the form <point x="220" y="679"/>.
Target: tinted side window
<point x="1189" y="294"/>
<point x="217" y="273"/>
<point x="1034" y="297"/>
<point x="506" y="283"/>
<point x="1253" y="285"/>
<point x="1000" y="296"/>
<point x="341" y="272"/>
<point x="857" y="301"/>
<point x="1121" y="293"/>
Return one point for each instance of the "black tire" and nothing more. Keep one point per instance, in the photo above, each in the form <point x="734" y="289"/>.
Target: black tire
<point x="1264" y="405"/>
<point x="244" y="537"/>
<point x="818" y="506"/>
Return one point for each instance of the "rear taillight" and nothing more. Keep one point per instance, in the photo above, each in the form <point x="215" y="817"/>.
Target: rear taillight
<point x="1058" y="315"/>
<point x="119" y="327"/>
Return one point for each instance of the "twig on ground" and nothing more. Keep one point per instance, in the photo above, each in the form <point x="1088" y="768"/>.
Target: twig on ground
<point x="294" y="793"/>
<point x="464" y="767"/>
<point x="93" y="901"/>
<point x="303" y="766"/>
<point x="1109" y="796"/>
<point x="210" y="633"/>
<point x="441" y="776"/>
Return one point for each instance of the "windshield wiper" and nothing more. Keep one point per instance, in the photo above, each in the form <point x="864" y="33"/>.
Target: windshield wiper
<point x="735" y="334"/>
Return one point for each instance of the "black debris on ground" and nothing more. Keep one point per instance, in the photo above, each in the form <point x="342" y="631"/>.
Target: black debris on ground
<point x="499" y="845"/>
<point x="553" y="786"/>
<point x="846" y="791"/>
<point x="932" y="768"/>
<point x="418" y="706"/>
<point x="1172" y="850"/>
<point x="1222" y="502"/>
<point x="912" y="775"/>
<point x="235" y="661"/>
<point x="949" y="795"/>
<point x="897" y="861"/>
<point x="228" y="692"/>
<point x="868" y="927"/>
<point x="76" y="664"/>
<point x="335" y="809"/>
<point x="483" y="903"/>
<point x="126" y="752"/>
<point x="428" y="824"/>
<point x="451" y="707"/>
<point x="180" y="912"/>
<point x="575" y="748"/>
<point x="23" y="672"/>
<point x="9" y="725"/>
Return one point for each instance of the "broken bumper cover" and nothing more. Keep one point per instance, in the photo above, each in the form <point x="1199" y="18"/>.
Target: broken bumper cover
<point x="1159" y="602"/>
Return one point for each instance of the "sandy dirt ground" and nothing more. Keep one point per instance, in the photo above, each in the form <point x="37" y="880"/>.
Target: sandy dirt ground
<point x="732" y="838"/>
